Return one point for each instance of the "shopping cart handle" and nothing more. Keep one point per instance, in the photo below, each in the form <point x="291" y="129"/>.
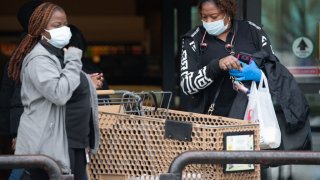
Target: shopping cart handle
<point x="105" y="92"/>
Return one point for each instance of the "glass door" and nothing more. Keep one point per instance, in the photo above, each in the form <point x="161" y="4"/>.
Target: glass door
<point x="293" y="27"/>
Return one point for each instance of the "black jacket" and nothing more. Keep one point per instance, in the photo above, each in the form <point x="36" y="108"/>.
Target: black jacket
<point x="291" y="106"/>
<point x="201" y="77"/>
<point x="10" y="105"/>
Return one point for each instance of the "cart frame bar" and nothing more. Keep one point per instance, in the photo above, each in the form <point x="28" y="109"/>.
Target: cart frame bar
<point x="239" y="157"/>
<point x="34" y="161"/>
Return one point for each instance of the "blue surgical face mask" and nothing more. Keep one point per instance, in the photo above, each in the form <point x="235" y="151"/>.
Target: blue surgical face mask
<point x="216" y="27"/>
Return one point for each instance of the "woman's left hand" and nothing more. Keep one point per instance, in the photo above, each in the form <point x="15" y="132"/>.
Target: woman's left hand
<point x="97" y="79"/>
<point x="249" y="72"/>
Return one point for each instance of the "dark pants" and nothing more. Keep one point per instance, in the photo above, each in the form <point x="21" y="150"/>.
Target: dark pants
<point x="5" y="149"/>
<point x="34" y="174"/>
<point x="78" y="163"/>
<point x="264" y="174"/>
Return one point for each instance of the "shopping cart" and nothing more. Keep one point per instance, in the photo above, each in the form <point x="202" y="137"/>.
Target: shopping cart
<point x="137" y="103"/>
<point x="137" y="141"/>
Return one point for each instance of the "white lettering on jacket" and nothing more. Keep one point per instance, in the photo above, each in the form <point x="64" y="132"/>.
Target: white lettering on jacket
<point x="192" y="82"/>
<point x="264" y="41"/>
<point x="193" y="46"/>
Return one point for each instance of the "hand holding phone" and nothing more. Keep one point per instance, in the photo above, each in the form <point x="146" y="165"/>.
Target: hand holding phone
<point x="244" y="57"/>
<point x="249" y="72"/>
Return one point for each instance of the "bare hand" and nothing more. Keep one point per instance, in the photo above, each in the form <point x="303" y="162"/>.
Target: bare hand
<point x="13" y="144"/>
<point x="97" y="79"/>
<point x="70" y="47"/>
<point x="229" y="62"/>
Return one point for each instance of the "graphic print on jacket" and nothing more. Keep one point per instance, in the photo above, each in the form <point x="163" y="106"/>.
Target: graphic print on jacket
<point x="192" y="81"/>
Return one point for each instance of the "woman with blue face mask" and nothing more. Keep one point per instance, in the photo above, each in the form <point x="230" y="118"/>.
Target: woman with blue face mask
<point x="209" y="57"/>
<point x="213" y="69"/>
<point x="219" y="60"/>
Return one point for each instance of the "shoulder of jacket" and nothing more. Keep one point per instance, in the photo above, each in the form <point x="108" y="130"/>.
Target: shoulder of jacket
<point x="193" y="33"/>
<point x="39" y="50"/>
<point x="253" y="25"/>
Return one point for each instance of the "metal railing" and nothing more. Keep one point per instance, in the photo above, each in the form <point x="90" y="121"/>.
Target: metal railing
<point x="34" y="161"/>
<point x="239" y="157"/>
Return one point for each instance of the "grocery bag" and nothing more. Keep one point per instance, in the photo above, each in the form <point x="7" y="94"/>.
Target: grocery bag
<point x="260" y="109"/>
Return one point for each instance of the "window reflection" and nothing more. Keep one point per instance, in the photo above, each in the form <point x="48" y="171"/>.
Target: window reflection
<point x="286" y="21"/>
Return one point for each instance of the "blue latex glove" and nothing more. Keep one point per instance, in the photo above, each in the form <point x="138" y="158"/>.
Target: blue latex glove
<point x="249" y="72"/>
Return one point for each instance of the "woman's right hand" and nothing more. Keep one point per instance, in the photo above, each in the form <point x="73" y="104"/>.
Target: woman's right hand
<point x="229" y="62"/>
<point x="97" y="79"/>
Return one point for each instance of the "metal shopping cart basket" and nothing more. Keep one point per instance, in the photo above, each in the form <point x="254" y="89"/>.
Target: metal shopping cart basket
<point x="136" y="103"/>
<point x="140" y="136"/>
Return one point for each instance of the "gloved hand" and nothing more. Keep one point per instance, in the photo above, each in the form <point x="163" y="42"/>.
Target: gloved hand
<point x="249" y="72"/>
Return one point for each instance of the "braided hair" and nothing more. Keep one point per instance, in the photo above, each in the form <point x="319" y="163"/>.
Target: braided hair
<point x="227" y="6"/>
<point x="37" y="23"/>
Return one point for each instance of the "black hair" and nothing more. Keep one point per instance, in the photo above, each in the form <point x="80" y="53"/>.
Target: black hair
<point x="25" y="12"/>
<point x="227" y="6"/>
<point x="77" y="38"/>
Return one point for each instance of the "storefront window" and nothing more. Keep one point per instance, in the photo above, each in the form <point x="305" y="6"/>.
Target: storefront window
<point x="293" y="27"/>
<point x="195" y="17"/>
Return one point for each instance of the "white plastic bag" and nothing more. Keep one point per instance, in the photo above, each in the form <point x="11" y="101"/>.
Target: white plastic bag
<point x="260" y="109"/>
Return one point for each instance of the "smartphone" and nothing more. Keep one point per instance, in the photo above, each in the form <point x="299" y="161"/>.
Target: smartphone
<point x="244" y="57"/>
